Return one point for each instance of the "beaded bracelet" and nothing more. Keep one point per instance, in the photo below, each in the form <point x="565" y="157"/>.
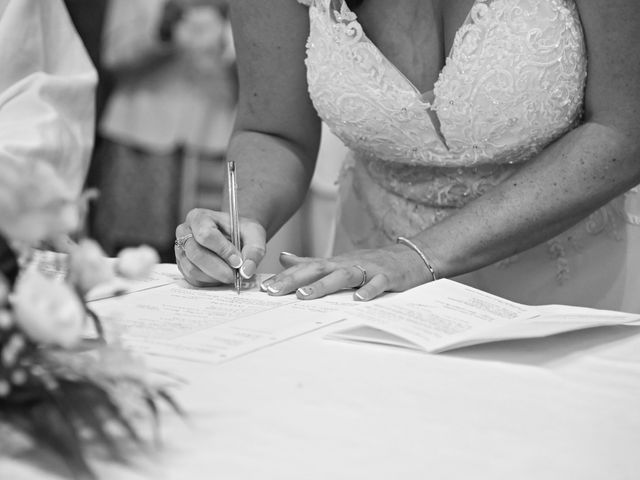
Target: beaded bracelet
<point x="414" y="247"/>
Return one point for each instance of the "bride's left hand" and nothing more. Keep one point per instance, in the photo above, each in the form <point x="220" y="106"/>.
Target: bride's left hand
<point x="370" y="272"/>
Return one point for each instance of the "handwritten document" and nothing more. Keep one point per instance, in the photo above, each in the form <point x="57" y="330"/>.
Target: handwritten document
<point x="445" y="314"/>
<point x="213" y="324"/>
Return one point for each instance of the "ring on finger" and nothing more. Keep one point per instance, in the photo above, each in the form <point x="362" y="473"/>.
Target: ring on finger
<point x="181" y="241"/>
<point x="364" y="276"/>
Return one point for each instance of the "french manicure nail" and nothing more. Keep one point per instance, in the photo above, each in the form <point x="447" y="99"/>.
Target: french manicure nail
<point x="274" y="288"/>
<point x="305" y="291"/>
<point x="235" y="261"/>
<point x="265" y="284"/>
<point x="359" y="297"/>
<point x="289" y="254"/>
<point x="247" y="269"/>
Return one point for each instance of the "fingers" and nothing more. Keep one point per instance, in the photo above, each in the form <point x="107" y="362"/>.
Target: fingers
<point x="198" y="264"/>
<point x="288" y="260"/>
<point x="204" y="226"/>
<point x="192" y="273"/>
<point x="375" y="287"/>
<point x="340" y="279"/>
<point x="211" y="257"/>
<point x="214" y="267"/>
<point x="254" y="239"/>
<point x="312" y="278"/>
<point x="289" y="280"/>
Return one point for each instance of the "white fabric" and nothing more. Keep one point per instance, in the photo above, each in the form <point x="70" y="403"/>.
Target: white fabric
<point x="46" y="92"/>
<point x="558" y="408"/>
<point x="512" y="83"/>
<point x="183" y="101"/>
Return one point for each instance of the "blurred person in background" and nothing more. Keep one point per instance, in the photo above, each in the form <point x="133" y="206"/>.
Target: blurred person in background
<point x="171" y="112"/>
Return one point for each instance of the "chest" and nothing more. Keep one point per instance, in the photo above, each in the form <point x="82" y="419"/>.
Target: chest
<point x="415" y="35"/>
<point x="494" y="84"/>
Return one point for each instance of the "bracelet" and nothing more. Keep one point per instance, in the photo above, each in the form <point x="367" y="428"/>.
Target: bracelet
<point x="414" y="247"/>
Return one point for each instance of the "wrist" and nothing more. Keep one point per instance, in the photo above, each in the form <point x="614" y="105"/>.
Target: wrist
<point x="420" y="252"/>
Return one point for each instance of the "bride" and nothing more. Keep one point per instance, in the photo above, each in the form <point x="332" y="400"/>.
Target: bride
<point x="495" y="142"/>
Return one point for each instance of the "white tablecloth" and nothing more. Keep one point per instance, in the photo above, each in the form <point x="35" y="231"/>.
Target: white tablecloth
<point x="565" y="407"/>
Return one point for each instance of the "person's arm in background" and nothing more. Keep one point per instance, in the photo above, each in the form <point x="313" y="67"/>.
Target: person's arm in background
<point x="275" y="142"/>
<point x="47" y="87"/>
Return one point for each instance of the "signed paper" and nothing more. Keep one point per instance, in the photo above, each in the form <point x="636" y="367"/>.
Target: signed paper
<point x="214" y="324"/>
<point x="445" y="314"/>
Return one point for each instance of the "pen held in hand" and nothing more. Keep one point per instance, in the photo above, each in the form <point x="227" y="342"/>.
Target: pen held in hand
<point x="233" y="216"/>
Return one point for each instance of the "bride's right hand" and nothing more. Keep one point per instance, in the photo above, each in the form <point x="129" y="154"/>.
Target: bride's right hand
<point x="204" y="254"/>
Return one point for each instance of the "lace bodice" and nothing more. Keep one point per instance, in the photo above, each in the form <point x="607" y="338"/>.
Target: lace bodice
<point x="512" y="83"/>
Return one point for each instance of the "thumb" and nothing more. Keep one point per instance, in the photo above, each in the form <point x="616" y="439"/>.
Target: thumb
<point x="254" y="239"/>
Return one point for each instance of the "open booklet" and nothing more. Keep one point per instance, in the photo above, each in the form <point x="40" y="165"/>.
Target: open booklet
<point x="444" y="315"/>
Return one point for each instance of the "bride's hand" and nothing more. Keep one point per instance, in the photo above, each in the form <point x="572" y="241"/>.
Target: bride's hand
<point x="370" y="272"/>
<point x="204" y="254"/>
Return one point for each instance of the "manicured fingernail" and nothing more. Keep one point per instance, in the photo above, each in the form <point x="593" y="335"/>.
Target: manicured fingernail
<point x="358" y="297"/>
<point x="248" y="269"/>
<point x="235" y="261"/>
<point x="288" y="254"/>
<point x="305" y="291"/>
<point x="265" y="283"/>
<point x="274" y="288"/>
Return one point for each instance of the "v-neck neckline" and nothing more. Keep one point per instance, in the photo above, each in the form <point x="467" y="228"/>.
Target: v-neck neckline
<point x="421" y="95"/>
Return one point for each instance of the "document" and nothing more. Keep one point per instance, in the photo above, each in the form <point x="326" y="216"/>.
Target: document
<point x="444" y="315"/>
<point x="213" y="325"/>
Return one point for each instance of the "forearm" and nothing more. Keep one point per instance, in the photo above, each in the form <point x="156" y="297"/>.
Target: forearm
<point x="277" y="130"/>
<point x="273" y="176"/>
<point x="570" y="179"/>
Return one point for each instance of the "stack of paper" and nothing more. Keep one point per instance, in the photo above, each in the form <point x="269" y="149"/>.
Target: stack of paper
<point x="444" y="315"/>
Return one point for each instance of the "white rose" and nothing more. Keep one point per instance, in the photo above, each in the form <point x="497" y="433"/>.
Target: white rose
<point x="48" y="311"/>
<point x="137" y="262"/>
<point x="89" y="266"/>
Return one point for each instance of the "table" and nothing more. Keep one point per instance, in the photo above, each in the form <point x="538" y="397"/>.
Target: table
<point x="565" y="407"/>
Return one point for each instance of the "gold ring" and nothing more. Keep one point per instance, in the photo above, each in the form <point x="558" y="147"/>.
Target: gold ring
<point x="364" y="276"/>
<point x="181" y="241"/>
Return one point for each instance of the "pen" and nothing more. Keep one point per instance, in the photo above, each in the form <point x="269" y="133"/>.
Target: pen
<point x="233" y="215"/>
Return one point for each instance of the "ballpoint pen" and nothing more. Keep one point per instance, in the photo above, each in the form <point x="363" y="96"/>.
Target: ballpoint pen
<point x="233" y="215"/>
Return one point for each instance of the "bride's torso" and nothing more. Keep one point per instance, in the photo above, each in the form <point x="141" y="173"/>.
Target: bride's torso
<point x="451" y="95"/>
<point x="438" y="102"/>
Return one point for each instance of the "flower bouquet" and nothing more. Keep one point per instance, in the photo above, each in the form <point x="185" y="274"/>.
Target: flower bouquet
<point x="62" y="384"/>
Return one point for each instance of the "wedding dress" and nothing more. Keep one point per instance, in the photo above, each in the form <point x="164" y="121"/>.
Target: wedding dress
<point x="512" y="83"/>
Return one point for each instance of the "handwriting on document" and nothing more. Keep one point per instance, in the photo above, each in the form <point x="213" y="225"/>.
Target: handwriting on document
<point x="444" y="314"/>
<point x="214" y="324"/>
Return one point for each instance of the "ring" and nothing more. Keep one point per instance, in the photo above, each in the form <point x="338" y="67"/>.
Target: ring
<point x="364" y="276"/>
<point x="181" y="241"/>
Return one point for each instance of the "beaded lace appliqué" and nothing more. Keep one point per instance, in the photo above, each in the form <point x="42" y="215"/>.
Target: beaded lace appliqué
<point x="513" y="83"/>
